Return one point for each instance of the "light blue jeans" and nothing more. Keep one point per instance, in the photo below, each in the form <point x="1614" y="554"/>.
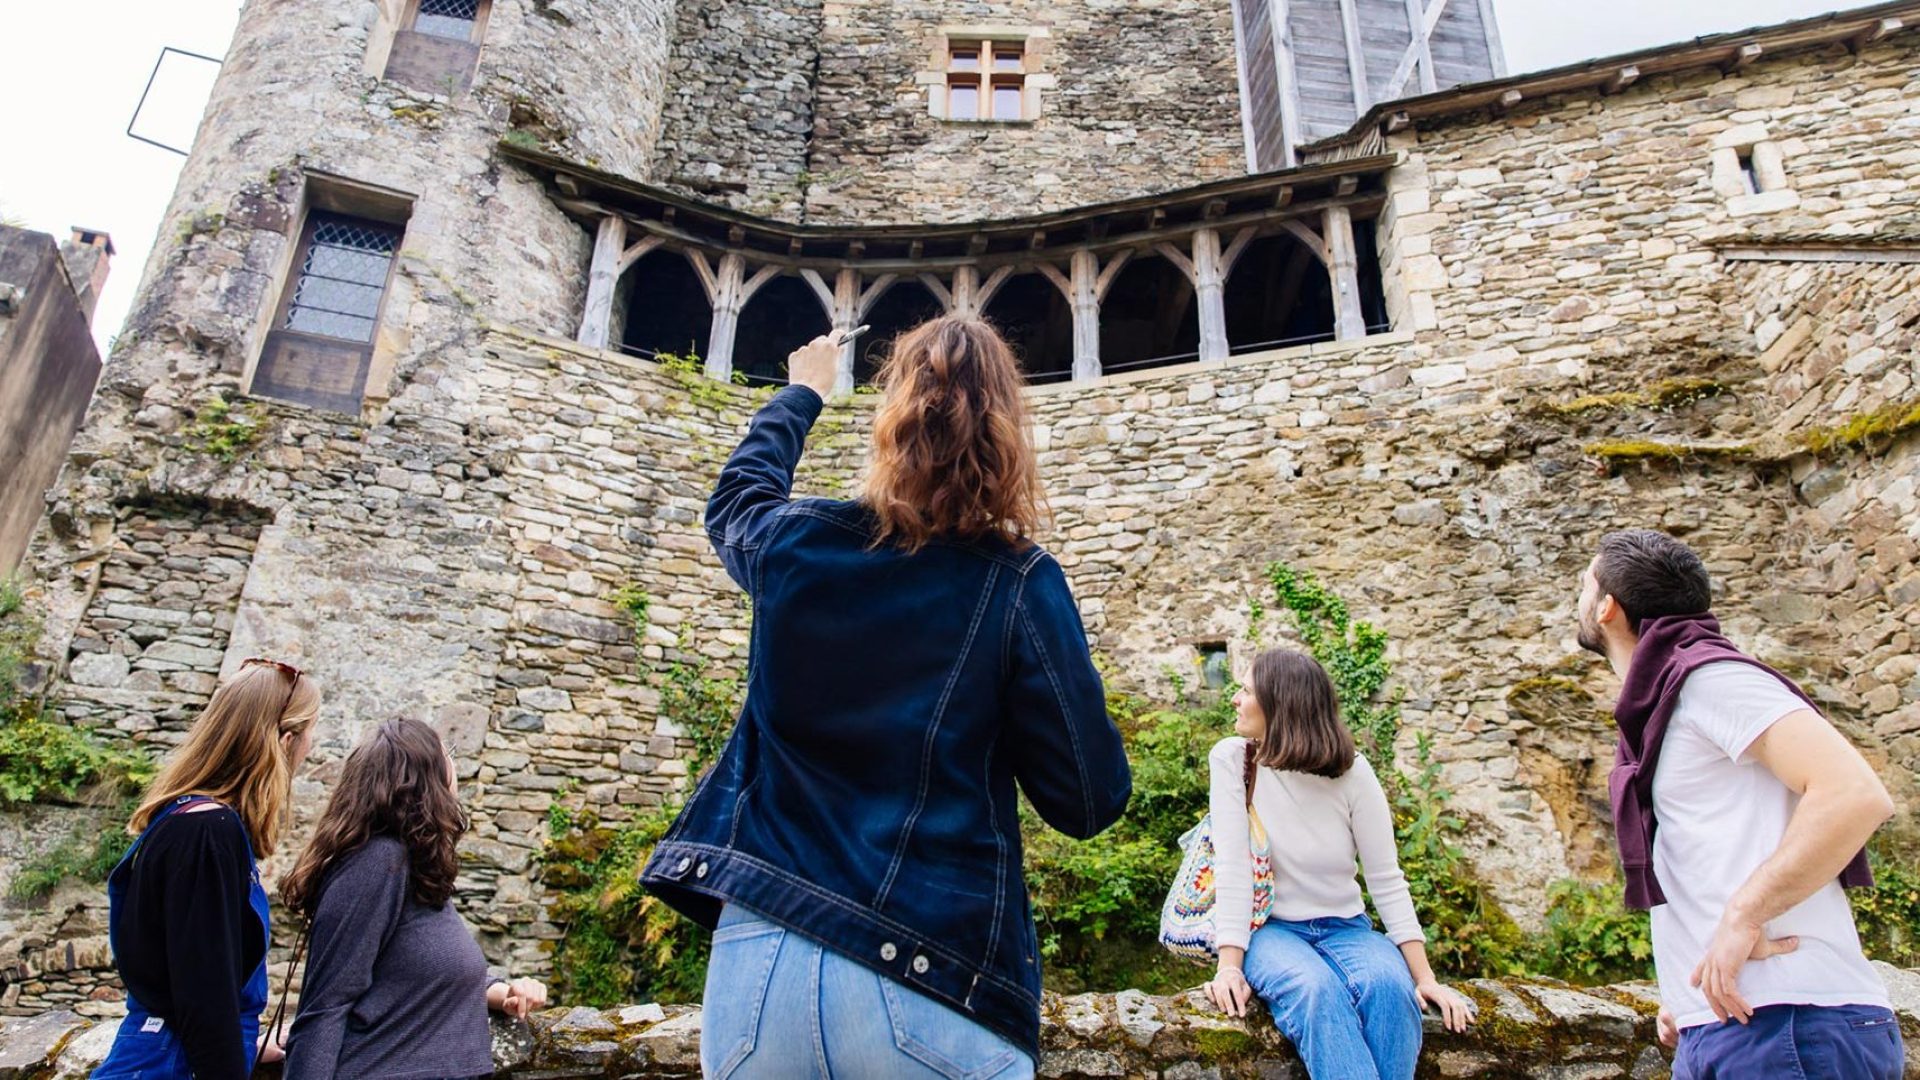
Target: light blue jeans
<point x="778" y="1005"/>
<point x="1341" y="991"/>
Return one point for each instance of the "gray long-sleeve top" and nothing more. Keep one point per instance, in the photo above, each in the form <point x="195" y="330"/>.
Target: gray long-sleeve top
<point x="394" y="990"/>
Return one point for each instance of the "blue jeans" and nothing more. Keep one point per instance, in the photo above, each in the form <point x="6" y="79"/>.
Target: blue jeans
<point x="1833" y="1042"/>
<point x="1342" y="992"/>
<point x="779" y="1005"/>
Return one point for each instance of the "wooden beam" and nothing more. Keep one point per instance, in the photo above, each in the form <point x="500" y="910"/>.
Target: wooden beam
<point x="916" y="249"/>
<point x="1038" y="240"/>
<point x="1418" y="43"/>
<point x="1097" y="229"/>
<point x="977" y="244"/>
<point x="1282" y="197"/>
<point x="1236" y="249"/>
<point x="1309" y="239"/>
<point x="1510" y="99"/>
<point x="736" y="235"/>
<point x="1343" y="268"/>
<point x="1279" y="19"/>
<point x="1879" y="30"/>
<point x="990" y="286"/>
<point x="1209" y="288"/>
<point x="603" y="279"/>
<point x="1346" y="186"/>
<point x="1624" y="76"/>
<point x="1083" y="299"/>
<point x="793" y="247"/>
<point x="1397" y="121"/>
<point x="639" y="250"/>
<point x="703" y="270"/>
<point x="1156" y="217"/>
<point x="1356" y="56"/>
<point x="1743" y="56"/>
<point x="1109" y="272"/>
<point x="1178" y="258"/>
<point x="939" y="289"/>
<point x="856" y="249"/>
<point x="1416" y="49"/>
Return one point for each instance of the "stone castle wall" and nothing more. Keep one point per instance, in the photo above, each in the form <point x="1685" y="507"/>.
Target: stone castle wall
<point x="450" y="554"/>
<point x="1145" y="99"/>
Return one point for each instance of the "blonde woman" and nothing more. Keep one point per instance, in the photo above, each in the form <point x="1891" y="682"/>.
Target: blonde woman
<point x="187" y="916"/>
<point x="916" y="658"/>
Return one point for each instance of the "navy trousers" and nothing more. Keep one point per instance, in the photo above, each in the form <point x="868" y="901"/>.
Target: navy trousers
<point x="1801" y="1042"/>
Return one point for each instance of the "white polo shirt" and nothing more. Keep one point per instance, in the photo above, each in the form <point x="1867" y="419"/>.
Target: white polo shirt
<point x="1720" y="816"/>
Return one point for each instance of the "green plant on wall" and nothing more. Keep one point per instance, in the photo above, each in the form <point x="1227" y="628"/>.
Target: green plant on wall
<point x="222" y="429"/>
<point x="619" y="943"/>
<point x="1888" y="915"/>
<point x="43" y="760"/>
<point x="1591" y="936"/>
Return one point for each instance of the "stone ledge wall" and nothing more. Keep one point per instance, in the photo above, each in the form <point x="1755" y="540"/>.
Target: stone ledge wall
<point x="1531" y="1029"/>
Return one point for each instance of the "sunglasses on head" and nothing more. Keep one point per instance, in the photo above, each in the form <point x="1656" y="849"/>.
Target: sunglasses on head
<point x="292" y="673"/>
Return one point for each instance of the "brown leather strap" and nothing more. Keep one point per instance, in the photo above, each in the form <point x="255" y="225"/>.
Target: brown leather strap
<point x="280" y="1010"/>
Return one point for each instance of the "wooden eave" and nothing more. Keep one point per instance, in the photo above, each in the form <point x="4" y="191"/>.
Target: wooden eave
<point x="588" y="194"/>
<point x="1731" y="51"/>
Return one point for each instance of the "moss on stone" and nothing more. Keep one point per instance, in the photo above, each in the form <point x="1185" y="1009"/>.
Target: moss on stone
<point x="1667" y="394"/>
<point x="1224" y="1044"/>
<point x="1868" y="431"/>
<point x="1647" y="450"/>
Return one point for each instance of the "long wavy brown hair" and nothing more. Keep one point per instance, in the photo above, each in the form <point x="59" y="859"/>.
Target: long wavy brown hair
<point x="236" y="753"/>
<point x="398" y="782"/>
<point x="952" y="450"/>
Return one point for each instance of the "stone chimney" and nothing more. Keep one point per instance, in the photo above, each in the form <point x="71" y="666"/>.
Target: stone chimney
<point x="87" y="254"/>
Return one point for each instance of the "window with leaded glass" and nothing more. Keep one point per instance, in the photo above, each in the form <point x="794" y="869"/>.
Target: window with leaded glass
<point x="436" y="44"/>
<point x="455" y="19"/>
<point x="320" y="345"/>
<point x="341" y="277"/>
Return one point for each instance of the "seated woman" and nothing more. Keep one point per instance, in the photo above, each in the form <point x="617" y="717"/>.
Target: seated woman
<point x="395" y="984"/>
<point x="1340" y="990"/>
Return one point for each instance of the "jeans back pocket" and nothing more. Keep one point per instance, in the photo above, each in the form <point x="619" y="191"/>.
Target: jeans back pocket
<point x="941" y="1039"/>
<point x="738" y="972"/>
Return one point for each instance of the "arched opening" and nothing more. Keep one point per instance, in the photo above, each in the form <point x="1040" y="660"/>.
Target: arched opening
<point x="667" y="308"/>
<point x="1277" y="295"/>
<point x="1035" y="318"/>
<point x="1148" y="317"/>
<point x="905" y="305"/>
<point x="781" y="316"/>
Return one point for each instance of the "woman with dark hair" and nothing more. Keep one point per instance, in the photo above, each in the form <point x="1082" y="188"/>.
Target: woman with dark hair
<point x="185" y="911"/>
<point x="915" y="659"/>
<point x="1339" y="989"/>
<point x="395" y="985"/>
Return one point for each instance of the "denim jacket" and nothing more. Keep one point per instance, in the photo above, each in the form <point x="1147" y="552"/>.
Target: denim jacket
<point x="866" y="796"/>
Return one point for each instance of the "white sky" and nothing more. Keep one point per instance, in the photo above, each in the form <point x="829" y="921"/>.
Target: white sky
<point x="72" y="72"/>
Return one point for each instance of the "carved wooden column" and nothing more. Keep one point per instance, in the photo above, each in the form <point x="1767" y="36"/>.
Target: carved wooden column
<point x="1343" y="267"/>
<point x="1085" y="289"/>
<point x="727" y="299"/>
<point x="1209" y="288"/>
<point x="603" y="277"/>
<point x="965" y="299"/>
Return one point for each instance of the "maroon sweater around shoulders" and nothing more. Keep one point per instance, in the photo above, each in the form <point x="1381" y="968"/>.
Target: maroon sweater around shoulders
<point x="1671" y="648"/>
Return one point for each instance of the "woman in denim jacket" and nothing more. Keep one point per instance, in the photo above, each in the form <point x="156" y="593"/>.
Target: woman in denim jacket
<point x="914" y="656"/>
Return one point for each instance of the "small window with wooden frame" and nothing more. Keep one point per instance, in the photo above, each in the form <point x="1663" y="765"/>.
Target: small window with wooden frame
<point x="437" y="44"/>
<point x="320" y="343"/>
<point x="986" y="80"/>
<point x="987" y="73"/>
